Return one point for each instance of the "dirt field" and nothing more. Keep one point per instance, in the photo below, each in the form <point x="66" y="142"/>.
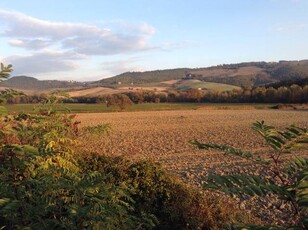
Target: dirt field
<point x="164" y="137"/>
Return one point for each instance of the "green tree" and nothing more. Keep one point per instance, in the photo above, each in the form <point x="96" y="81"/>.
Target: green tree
<point x="194" y="95"/>
<point x="5" y="71"/>
<point x="43" y="185"/>
<point x="119" y="101"/>
<point x="271" y="95"/>
<point x="283" y="94"/>
<point x="4" y="74"/>
<point x="295" y="93"/>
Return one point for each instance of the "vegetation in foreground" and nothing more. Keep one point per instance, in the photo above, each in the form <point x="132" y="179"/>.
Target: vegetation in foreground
<point x="47" y="183"/>
<point x="289" y="182"/>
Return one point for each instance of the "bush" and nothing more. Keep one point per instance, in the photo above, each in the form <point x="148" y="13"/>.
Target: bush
<point x="159" y="194"/>
<point x="44" y="186"/>
<point x="44" y="183"/>
<point x="119" y="102"/>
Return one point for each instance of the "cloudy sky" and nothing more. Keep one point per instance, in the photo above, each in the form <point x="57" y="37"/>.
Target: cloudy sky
<point x="95" y="39"/>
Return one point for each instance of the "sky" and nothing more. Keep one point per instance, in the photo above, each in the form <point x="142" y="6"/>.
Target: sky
<point x="94" y="39"/>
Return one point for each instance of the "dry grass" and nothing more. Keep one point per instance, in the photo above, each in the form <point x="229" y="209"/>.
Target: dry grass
<point x="92" y="92"/>
<point x="170" y="82"/>
<point x="221" y="72"/>
<point x="163" y="137"/>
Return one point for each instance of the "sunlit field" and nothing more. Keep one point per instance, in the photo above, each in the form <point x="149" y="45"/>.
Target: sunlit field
<point x="163" y="136"/>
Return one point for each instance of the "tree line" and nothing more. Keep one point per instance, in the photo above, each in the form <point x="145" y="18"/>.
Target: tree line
<point x="282" y="94"/>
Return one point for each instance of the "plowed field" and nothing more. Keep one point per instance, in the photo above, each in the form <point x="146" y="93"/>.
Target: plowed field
<point x="163" y="136"/>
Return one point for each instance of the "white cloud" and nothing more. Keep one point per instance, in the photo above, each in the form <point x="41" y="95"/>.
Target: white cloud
<point x="120" y="66"/>
<point x="32" y="33"/>
<point x="44" y="62"/>
<point x="34" y="44"/>
<point x="42" y="40"/>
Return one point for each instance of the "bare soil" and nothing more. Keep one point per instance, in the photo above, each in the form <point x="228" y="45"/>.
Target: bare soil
<point x="163" y="136"/>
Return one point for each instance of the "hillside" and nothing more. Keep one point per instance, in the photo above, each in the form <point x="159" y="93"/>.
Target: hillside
<point x="30" y="83"/>
<point x="183" y="85"/>
<point x="221" y="77"/>
<point x="247" y="74"/>
<point x="147" y="77"/>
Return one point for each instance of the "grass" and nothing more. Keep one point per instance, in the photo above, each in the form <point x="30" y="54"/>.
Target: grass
<point x="195" y="84"/>
<point x="101" y="108"/>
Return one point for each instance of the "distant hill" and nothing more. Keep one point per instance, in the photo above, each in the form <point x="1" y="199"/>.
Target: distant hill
<point x="31" y="83"/>
<point x="147" y="77"/>
<point x="221" y="77"/>
<point x="242" y="74"/>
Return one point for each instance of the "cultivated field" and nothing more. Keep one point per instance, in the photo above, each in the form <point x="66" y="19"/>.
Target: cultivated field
<point x="163" y="136"/>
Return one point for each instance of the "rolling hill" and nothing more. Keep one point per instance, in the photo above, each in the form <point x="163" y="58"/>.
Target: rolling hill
<point x="221" y="78"/>
<point x="242" y="74"/>
<point x="32" y="84"/>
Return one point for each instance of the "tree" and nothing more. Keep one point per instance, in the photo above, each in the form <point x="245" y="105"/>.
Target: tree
<point x="4" y="74"/>
<point x="283" y="94"/>
<point x="194" y="95"/>
<point x="271" y="95"/>
<point x="295" y="93"/>
<point x="120" y="101"/>
<point x="5" y="71"/>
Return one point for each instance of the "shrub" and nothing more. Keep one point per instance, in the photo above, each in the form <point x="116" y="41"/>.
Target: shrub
<point x="44" y="183"/>
<point x="44" y="186"/>
<point x="119" y="102"/>
<point x="4" y="74"/>
<point x="159" y="194"/>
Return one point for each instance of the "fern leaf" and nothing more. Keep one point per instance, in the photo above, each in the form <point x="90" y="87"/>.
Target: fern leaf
<point x="245" y="185"/>
<point x="229" y="150"/>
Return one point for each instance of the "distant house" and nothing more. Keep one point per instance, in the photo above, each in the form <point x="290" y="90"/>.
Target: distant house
<point x="119" y="83"/>
<point x="188" y="76"/>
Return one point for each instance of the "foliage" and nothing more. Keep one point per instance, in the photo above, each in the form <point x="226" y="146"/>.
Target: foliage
<point x="95" y="130"/>
<point x="289" y="182"/>
<point x="46" y="183"/>
<point x="5" y="71"/>
<point x="43" y="184"/>
<point x="119" y="101"/>
<point x="4" y="74"/>
<point x="174" y="204"/>
<point x="144" y="77"/>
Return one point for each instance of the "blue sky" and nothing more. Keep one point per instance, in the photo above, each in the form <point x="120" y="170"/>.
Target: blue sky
<point x="95" y="39"/>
